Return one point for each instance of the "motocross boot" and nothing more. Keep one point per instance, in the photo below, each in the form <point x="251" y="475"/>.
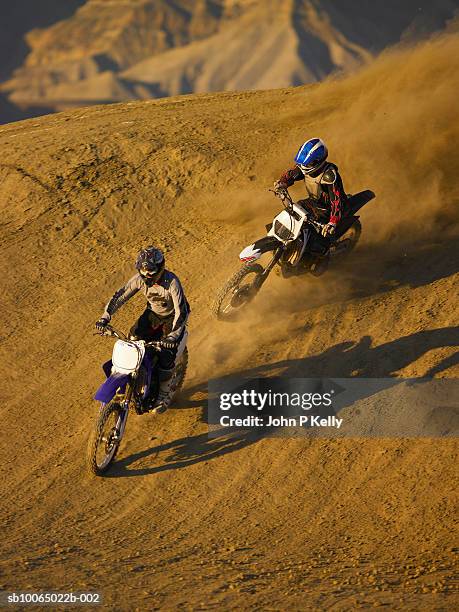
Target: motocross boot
<point x="320" y="266"/>
<point x="165" y="393"/>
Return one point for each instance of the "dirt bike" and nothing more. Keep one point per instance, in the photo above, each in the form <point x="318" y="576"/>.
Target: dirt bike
<point x="297" y="245"/>
<point x="132" y="380"/>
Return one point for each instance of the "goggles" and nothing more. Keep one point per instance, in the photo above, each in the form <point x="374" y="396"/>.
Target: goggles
<point x="311" y="166"/>
<point x="150" y="274"/>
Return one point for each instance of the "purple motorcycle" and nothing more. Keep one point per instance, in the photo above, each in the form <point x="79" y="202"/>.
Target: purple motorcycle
<point x="132" y="381"/>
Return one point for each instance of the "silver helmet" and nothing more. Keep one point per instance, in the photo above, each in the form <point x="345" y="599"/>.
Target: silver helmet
<point x="150" y="264"/>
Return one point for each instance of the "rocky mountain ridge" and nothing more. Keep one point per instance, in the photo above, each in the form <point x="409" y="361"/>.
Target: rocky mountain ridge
<point x="116" y="50"/>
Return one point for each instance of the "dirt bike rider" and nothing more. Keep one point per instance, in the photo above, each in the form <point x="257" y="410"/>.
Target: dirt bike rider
<point x="326" y="195"/>
<point x="165" y="317"/>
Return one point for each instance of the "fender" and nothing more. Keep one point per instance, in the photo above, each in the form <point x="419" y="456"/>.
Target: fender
<point x="107" y="389"/>
<point x="256" y="250"/>
<point x="358" y="200"/>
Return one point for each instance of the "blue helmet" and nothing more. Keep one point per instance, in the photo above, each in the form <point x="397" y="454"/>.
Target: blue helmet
<point x="311" y="156"/>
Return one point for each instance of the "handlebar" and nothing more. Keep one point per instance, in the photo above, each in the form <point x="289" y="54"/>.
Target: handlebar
<point x="111" y="332"/>
<point x="154" y="344"/>
<point x="316" y="224"/>
<point x="284" y="195"/>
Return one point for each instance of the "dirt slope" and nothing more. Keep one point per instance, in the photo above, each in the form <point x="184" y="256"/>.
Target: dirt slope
<point x="233" y="522"/>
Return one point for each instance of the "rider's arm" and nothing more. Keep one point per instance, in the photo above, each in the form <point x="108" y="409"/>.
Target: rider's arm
<point x="121" y="296"/>
<point x="333" y="185"/>
<point x="180" y="308"/>
<point x="291" y="176"/>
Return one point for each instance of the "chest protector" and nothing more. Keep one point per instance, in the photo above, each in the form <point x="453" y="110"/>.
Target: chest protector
<point x="317" y="188"/>
<point x="315" y="185"/>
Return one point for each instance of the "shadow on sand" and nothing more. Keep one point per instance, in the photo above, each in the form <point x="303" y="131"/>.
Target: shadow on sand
<point x="344" y="360"/>
<point x="418" y="265"/>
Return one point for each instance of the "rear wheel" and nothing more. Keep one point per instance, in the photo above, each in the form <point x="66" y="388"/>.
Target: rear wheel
<point x="238" y="292"/>
<point x="105" y="438"/>
<point x="348" y="240"/>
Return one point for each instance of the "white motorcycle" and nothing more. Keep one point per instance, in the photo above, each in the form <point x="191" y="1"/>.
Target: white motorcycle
<point x="297" y="245"/>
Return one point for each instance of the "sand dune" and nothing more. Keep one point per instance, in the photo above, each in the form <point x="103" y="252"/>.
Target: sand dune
<point x="232" y="522"/>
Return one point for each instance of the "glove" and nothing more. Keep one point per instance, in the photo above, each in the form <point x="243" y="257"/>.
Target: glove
<point x="328" y="230"/>
<point x="102" y="323"/>
<point x="168" y="343"/>
<point x="280" y="187"/>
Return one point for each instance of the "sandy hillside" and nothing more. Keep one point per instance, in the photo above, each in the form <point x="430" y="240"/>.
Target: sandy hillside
<point x="184" y="522"/>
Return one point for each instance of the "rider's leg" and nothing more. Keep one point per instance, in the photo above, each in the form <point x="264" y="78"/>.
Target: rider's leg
<point x="319" y="249"/>
<point x="147" y="327"/>
<point x="140" y="328"/>
<point x="166" y="367"/>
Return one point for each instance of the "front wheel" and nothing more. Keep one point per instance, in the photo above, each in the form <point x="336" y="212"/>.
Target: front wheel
<point x="241" y="288"/>
<point x="106" y="436"/>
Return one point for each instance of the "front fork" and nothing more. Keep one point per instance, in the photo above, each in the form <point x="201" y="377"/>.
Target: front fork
<point x="260" y="279"/>
<point x="122" y="419"/>
<point x="129" y="393"/>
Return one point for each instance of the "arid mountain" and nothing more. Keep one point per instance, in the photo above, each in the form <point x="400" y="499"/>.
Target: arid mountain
<point x="187" y="522"/>
<point x="16" y="20"/>
<point x="20" y="17"/>
<point x="113" y="50"/>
